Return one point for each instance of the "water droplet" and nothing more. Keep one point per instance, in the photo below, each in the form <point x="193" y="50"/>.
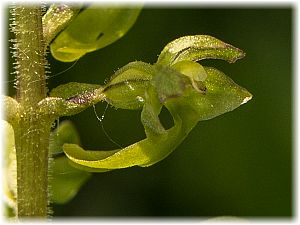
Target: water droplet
<point x="140" y="99"/>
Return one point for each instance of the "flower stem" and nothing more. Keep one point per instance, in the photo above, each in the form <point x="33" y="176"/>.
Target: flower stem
<point x="33" y="130"/>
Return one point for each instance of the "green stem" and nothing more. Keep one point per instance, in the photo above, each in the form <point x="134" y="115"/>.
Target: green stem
<point x="33" y="130"/>
<point x="31" y="82"/>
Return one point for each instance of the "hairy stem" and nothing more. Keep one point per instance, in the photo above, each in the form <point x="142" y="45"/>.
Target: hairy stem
<point x="33" y="130"/>
<point x="31" y="85"/>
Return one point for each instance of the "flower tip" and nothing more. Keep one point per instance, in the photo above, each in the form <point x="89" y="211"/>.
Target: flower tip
<point x="246" y="99"/>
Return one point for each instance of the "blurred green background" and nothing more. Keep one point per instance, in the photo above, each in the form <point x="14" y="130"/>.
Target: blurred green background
<point x="238" y="164"/>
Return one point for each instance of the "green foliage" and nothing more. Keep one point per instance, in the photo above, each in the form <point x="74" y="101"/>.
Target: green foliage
<point x="189" y="91"/>
<point x="196" y="48"/>
<point x="56" y="19"/>
<point x="126" y="87"/>
<point x="65" y="180"/>
<point x="195" y="72"/>
<point x="73" y="89"/>
<point x="222" y="95"/>
<point x="94" y="28"/>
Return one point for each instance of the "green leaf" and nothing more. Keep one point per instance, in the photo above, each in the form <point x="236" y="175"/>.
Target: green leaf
<point x="94" y="28"/>
<point x="64" y="133"/>
<point x="126" y="88"/>
<point x="198" y="47"/>
<point x="66" y="180"/>
<point x="57" y="17"/>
